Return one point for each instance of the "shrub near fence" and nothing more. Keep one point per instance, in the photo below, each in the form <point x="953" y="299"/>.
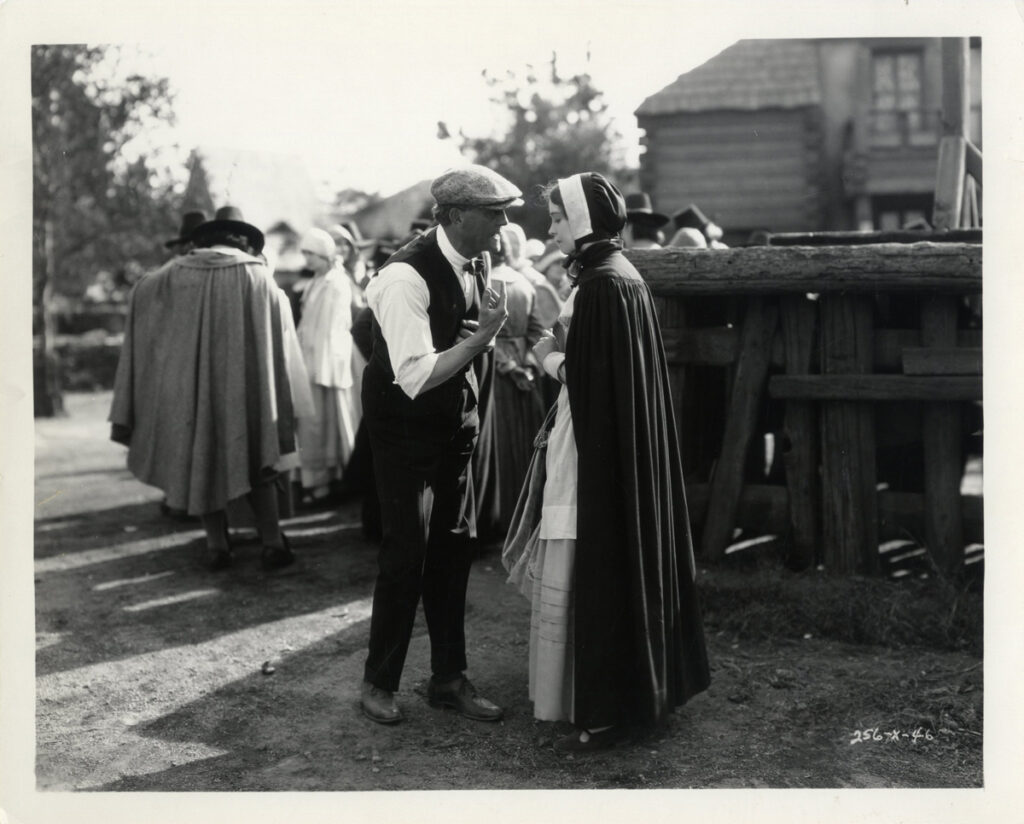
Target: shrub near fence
<point x="824" y="320"/>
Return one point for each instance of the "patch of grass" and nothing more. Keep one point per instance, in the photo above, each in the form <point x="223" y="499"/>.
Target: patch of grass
<point x="767" y="603"/>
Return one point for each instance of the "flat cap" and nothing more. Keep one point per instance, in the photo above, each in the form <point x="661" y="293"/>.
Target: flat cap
<point x="475" y="186"/>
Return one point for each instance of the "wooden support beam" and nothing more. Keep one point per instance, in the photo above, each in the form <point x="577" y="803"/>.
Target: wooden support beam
<point x="889" y="345"/>
<point x="956" y="66"/>
<point x="848" y="474"/>
<point x="799" y="442"/>
<point x="941" y="360"/>
<point x="875" y="388"/>
<point x="751" y="371"/>
<point x="949" y="183"/>
<point x="943" y="449"/>
<point x="712" y="346"/>
<point x="972" y="162"/>
<point x="936" y="267"/>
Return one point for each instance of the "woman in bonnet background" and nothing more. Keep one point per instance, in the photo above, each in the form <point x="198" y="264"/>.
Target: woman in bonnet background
<point x="616" y="636"/>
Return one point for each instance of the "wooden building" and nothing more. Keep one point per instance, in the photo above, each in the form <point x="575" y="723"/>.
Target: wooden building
<point x="803" y="135"/>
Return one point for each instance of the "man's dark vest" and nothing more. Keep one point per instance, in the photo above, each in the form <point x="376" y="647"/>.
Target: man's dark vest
<point x="436" y="413"/>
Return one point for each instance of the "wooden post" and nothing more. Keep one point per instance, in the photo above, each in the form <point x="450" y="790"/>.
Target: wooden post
<point x="848" y="477"/>
<point x="955" y="95"/>
<point x="952" y="166"/>
<point x="748" y="386"/>
<point x="800" y="444"/>
<point x="943" y="454"/>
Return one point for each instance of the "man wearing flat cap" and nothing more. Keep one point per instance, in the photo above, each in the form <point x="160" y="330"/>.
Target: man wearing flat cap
<point x="433" y="315"/>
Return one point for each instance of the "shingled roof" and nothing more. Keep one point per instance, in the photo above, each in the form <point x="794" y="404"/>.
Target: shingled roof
<point x="750" y="74"/>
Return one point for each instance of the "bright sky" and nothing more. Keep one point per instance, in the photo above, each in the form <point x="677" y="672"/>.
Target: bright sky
<point x="357" y="94"/>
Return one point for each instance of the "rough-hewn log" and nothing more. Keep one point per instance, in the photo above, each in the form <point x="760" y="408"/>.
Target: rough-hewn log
<point x="848" y="476"/>
<point x="799" y="442"/>
<point x="875" y="388"/>
<point x="943" y="449"/>
<point x="864" y="238"/>
<point x="922" y="267"/>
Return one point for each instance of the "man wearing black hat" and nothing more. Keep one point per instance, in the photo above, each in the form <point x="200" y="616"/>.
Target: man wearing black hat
<point x="693" y="218"/>
<point x="643" y="224"/>
<point x="433" y="316"/>
<point x="202" y="398"/>
<point x="182" y="244"/>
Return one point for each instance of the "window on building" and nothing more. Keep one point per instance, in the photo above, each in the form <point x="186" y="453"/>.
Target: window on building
<point x="891" y="213"/>
<point x="898" y="116"/>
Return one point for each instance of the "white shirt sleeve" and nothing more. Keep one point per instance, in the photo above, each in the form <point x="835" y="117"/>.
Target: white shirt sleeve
<point x="552" y="362"/>
<point x="399" y="298"/>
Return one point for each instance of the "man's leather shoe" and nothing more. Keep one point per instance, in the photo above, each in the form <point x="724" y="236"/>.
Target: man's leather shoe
<point x="461" y="695"/>
<point x="379" y="705"/>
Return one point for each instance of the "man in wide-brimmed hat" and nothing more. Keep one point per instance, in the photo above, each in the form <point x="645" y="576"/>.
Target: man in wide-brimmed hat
<point x="693" y="218"/>
<point x="643" y="224"/>
<point x="433" y="316"/>
<point x="202" y="397"/>
<point x="182" y="244"/>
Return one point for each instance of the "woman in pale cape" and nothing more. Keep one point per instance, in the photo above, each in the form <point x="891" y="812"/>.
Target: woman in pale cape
<point x="202" y="397"/>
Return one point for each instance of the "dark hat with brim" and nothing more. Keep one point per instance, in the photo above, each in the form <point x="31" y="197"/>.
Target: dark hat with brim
<point x="639" y="210"/>
<point x="189" y="221"/>
<point x="691" y="217"/>
<point x="229" y="219"/>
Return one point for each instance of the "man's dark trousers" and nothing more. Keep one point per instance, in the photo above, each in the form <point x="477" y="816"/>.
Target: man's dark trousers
<point x="425" y="551"/>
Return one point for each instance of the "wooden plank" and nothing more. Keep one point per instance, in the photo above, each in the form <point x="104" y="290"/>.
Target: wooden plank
<point x="875" y="388"/>
<point x="799" y="442"/>
<point x="713" y="346"/>
<point x="924" y="267"/>
<point x="890" y="343"/>
<point x="748" y="386"/>
<point x="941" y="360"/>
<point x="710" y="346"/>
<point x="765" y="507"/>
<point x="943" y="449"/>
<point x="949" y="183"/>
<point x="849" y="510"/>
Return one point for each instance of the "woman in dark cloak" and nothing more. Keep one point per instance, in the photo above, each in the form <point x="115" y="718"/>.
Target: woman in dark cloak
<point x="616" y="639"/>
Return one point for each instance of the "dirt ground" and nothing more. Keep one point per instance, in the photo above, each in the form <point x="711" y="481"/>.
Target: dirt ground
<point x="154" y="674"/>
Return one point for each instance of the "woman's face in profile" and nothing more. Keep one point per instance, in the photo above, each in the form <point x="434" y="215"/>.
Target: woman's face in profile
<point x="560" y="231"/>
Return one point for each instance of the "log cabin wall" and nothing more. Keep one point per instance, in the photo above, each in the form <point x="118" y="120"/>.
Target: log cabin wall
<point x="874" y="363"/>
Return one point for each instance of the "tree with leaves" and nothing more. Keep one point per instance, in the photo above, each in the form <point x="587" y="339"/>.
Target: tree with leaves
<point x="94" y="210"/>
<point x="556" y="126"/>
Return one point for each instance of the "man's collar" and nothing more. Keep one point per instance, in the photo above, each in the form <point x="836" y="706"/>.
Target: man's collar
<point x="450" y="254"/>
